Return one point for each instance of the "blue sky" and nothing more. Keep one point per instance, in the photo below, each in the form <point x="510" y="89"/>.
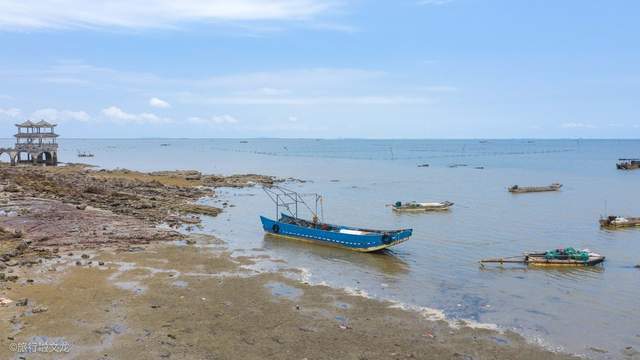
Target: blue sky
<point x="316" y="68"/>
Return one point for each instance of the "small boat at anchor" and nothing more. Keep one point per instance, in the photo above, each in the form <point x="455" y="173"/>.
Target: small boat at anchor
<point x="619" y="222"/>
<point x="628" y="164"/>
<point x="421" y="206"/>
<point x="516" y="189"/>
<point x="315" y="231"/>
<point x="84" y="154"/>
<point x="556" y="257"/>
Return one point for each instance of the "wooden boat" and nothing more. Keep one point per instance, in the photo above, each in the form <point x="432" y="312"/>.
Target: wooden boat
<point x="619" y="221"/>
<point x="556" y="257"/>
<point x="421" y="206"/>
<point x="628" y="164"/>
<point x="359" y="239"/>
<point x="515" y="189"/>
<point x="353" y="238"/>
<point x="84" y="154"/>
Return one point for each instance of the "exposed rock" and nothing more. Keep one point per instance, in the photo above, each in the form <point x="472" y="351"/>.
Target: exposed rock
<point x="39" y="309"/>
<point x="12" y="188"/>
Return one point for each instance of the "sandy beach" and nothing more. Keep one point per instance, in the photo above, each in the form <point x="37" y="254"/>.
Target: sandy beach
<point x="86" y="267"/>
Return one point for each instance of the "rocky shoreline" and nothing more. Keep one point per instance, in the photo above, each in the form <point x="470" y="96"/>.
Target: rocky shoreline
<point x="87" y="262"/>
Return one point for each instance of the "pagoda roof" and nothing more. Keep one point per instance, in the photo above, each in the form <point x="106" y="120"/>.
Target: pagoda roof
<point x="39" y="124"/>
<point x="43" y="123"/>
<point x="27" y="123"/>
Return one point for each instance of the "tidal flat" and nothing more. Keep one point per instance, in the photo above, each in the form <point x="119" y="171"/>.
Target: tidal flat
<point x="92" y="270"/>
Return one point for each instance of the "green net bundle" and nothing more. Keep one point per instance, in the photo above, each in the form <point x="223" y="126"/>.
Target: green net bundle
<point x="567" y="253"/>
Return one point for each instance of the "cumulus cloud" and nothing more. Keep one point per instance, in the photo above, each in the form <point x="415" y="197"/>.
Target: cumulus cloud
<point x="55" y="115"/>
<point x="116" y="114"/>
<point x="158" y="103"/>
<point x="575" y="125"/>
<point x="66" y="14"/>
<point x="10" y="112"/>
<point x="214" y="120"/>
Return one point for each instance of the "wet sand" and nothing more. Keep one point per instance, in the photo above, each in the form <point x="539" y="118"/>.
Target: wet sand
<point x="90" y="270"/>
<point x="172" y="300"/>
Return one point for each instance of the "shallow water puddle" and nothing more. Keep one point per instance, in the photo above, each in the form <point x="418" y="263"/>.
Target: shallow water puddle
<point x="180" y="284"/>
<point x="134" y="286"/>
<point x="283" y="290"/>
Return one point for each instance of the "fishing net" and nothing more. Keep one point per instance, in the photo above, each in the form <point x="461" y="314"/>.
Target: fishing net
<point x="567" y="253"/>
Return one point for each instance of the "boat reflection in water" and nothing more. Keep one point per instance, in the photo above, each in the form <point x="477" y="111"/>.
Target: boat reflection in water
<point x="385" y="262"/>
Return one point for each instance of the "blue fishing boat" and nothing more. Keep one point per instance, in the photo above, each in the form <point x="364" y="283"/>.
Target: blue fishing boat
<point x="353" y="238"/>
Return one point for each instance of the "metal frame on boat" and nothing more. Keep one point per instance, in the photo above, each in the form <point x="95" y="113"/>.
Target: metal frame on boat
<point x="292" y="226"/>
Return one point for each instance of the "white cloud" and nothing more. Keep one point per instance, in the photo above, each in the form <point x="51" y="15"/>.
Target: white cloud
<point x="158" y="103"/>
<point x="293" y="118"/>
<point x="116" y="114"/>
<point x="65" y="14"/>
<point x="214" y="120"/>
<point x="574" y="125"/>
<point x="10" y="112"/>
<point x="312" y="86"/>
<point x="56" y="115"/>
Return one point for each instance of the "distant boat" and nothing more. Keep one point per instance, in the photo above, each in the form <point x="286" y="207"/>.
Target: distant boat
<point x="628" y="164"/>
<point x="421" y="206"/>
<point x="516" y="189"/>
<point x="352" y="238"/>
<point x="165" y="144"/>
<point x="423" y="165"/>
<point x="84" y="154"/>
<point x="557" y="257"/>
<point x="619" y="221"/>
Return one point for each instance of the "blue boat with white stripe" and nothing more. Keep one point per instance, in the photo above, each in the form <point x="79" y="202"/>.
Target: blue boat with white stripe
<point x="353" y="238"/>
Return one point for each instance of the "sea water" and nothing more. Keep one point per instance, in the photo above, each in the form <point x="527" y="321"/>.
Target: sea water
<point x="575" y="310"/>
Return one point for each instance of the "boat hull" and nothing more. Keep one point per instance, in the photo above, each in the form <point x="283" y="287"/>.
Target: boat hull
<point x="361" y="242"/>
<point x="524" y="190"/>
<point x="420" y="209"/>
<point x="541" y="261"/>
<point x="611" y="223"/>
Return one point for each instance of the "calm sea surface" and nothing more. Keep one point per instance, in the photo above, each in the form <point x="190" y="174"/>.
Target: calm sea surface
<point x="573" y="310"/>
